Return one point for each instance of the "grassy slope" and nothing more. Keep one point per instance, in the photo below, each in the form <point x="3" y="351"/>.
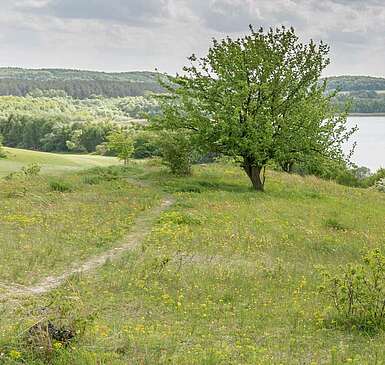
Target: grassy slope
<point x="228" y="276"/>
<point x="51" y="163"/>
<point x="43" y="231"/>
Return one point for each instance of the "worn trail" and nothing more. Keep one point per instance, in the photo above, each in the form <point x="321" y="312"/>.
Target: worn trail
<point x="139" y="231"/>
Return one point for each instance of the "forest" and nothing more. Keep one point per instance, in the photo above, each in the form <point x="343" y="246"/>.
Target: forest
<point x="365" y="94"/>
<point x="76" y="83"/>
<point x="55" y="123"/>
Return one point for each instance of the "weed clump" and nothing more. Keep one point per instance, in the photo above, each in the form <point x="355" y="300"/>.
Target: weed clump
<point x="60" y="186"/>
<point x="357" y="293"/>
<point x="26" y="172"/>
<point x="333" y="223"/>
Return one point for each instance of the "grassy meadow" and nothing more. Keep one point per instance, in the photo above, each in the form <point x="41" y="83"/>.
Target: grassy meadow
<point x="226" y="276"/>
<point x="51" y="163"/>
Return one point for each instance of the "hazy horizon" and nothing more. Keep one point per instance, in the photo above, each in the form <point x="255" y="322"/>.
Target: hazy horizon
<point x="137" y="70"/>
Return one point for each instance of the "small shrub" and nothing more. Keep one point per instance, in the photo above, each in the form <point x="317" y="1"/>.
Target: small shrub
<point x="31" y="170"/>
<point x="335" y="224"/>
<point x="60" y="186"/>
<point x="177" y="153"/>
<point x="357" y="293"/>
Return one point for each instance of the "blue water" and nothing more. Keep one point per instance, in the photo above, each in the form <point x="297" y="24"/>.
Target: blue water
<point x="370" y="138"/>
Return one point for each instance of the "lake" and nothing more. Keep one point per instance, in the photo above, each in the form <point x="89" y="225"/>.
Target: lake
<point x="370" y="138"/>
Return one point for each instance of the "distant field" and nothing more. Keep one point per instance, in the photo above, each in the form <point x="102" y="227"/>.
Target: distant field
<point x="51" y="163"/>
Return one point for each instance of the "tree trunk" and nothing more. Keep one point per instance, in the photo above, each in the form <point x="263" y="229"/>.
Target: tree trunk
<point x="254" y="174"/>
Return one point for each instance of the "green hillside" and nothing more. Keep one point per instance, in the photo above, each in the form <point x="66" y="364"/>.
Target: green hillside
<point x="225" y="276"/>
<point x="77" y="83"/>
<point x="356" y="83"/>
<point x="365" y="93"/>
<point x="50" y="162"/>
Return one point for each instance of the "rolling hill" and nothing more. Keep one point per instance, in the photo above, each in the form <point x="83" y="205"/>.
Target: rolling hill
<point x="77" y="83"/>
<point x="365" y="93"/>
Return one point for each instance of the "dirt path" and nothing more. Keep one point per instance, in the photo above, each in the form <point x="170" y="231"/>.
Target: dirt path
<point x="135" y="237"/>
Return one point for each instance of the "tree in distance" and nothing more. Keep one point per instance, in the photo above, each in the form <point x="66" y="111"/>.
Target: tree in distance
<point x="122" y="144"/>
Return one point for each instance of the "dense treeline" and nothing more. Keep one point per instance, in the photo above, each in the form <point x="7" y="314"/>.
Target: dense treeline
<point x="78" y="84"/>
<point x="364" y="94"/>
<point x="68" y="74"/>
<point x="362" y="102"/>
<point x="79" y="89"/>
<point x="121" y="110"/>
<point x="53" y="133"/>
<point x="355" y="83"/>
<point x="63" y="124"/>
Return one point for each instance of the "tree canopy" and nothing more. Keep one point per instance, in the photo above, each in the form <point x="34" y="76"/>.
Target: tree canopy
<point x="257" y="99"/>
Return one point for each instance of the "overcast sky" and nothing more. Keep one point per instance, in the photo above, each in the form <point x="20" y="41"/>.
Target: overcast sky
<point x="126" y="35"/>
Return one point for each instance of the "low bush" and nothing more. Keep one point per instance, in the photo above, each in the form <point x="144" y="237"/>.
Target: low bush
<point x="177" y="153"/>
<point x="357" y="293"/>
<point x="29" y="171"/>
<point x="60" y="186"/>
<point x="333" y="223"/>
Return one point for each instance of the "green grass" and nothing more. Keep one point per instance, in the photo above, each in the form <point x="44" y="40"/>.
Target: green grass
<point x="227" y="276"/>
<point x="51" y="163"/>
<point x="48" y="223"/>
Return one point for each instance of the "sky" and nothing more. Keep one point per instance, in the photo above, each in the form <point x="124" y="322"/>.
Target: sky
<point x="128" y="35"/>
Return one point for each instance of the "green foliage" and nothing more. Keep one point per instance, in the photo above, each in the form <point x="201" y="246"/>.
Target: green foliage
<point x="257" y="99"/>
<point x="61" y="186"/>
<point x="62" y="124"/>
<point x="357" y="293"/>
<point x="122" y="144"/>
<point x="146" y="144"/>
<point x="53" y="134"/>
<point x="177" y="152"/>
<point x="376" y="177"/>
<point x="340" y="171"/>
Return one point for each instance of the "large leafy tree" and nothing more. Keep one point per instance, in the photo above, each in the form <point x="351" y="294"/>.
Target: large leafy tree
<point x="257" y="99"/>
